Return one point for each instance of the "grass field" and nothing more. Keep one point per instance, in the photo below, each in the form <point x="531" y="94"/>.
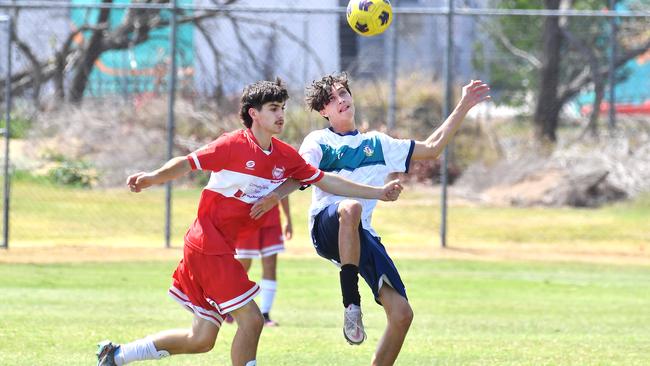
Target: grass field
<point x="42" y="214"/>
<point x="467" y="313"/>
<point x="533" y="286"/>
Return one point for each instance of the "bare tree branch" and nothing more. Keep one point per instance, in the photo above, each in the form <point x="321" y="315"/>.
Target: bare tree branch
<point x="243" y="43"/>
<point x="576" y="85"/>
<point x="599" y="85"/>
<point x="217" y="57"/>
<point x="37" y="75"/>
<point x="289" y="35"/>
<point x="530" y="58"/>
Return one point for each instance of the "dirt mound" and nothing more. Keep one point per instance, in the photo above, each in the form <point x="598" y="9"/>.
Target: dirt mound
<point x="577" y="175"/>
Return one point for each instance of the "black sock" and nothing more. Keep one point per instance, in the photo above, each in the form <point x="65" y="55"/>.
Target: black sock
<point x="266" y="316"/>
<point x="350" y="285"/>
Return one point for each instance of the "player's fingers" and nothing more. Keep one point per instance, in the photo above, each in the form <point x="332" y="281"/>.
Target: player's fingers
<point x="255" y="209"/>
<point x="394" y="182"/>
<point x="481" y="89"/>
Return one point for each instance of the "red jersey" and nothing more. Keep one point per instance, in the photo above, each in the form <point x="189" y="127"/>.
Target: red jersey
<point x="242" y="173"/>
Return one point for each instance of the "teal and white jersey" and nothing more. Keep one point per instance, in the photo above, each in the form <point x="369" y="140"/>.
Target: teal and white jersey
<point x="365" y="158"/>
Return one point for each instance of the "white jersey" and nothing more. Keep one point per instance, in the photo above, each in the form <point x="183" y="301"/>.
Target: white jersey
<point x="365" y="158"/>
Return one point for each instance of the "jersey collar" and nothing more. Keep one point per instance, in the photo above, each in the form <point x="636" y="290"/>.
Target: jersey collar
<point x="249" y="134"/>
<point x="349" y="133"/>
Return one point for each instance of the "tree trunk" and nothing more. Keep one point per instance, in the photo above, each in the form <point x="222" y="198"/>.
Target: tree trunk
<point x="547" y="110"/>
<point x="91" y="53"/>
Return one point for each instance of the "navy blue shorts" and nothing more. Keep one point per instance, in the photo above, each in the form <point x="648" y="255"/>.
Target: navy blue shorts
<point x="375" y="266"/>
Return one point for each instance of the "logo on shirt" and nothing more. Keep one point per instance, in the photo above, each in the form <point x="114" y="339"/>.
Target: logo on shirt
<point x="278" y="172"/>
<point x="368" y="151"/>
<point x="250" y="165"/>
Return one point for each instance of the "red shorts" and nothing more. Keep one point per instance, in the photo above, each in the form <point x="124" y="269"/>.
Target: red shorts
<point x="263" y="242"/>
<point x="211" y="286"/>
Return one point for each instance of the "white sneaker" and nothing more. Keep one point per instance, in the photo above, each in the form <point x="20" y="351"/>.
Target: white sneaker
<point x="353" y="325"/>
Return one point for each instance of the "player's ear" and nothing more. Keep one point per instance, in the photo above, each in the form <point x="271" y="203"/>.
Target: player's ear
<point x="252" y="112"/>
<point x="322" y="113"/>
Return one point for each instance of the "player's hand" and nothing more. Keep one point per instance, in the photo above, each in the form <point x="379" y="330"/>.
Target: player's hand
<point x="139" y="181"/>
<point x="475" y="92"/>
<point x="288" y="231"/>
<point x="264" y="205"/>
<point x="391" y="190"/>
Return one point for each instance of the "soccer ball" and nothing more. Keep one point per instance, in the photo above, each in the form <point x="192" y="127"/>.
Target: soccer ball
<point x="369" y="17"/>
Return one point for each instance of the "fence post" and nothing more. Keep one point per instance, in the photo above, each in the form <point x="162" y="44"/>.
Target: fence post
<point x="170" y="120"/>
<point x="7" y="133"/>
<point x="445" y="112"/>
<point x="612" y="69"/>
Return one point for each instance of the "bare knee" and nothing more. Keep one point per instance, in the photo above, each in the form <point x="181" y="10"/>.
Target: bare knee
<point x="401" y="316"/>
<point x="250" y="321"/>
<point x="350" y="212"/>
<point x="200" y="343"/>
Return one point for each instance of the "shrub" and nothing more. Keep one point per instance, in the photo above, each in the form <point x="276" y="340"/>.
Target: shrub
<point x="73" y="173"/>
<point x="19" y="126"/>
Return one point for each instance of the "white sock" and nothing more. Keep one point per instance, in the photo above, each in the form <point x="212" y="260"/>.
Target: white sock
<point x="142" y="349"/>
<point x="251" y="363"/>
<point x="268" y="294"/>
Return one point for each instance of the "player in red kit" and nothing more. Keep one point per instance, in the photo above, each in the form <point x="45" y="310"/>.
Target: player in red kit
<point x="246" y="165"/>
<point x="266" y="243"/>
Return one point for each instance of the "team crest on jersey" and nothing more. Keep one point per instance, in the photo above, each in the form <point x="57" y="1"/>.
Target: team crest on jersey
<point x="368" y="151"/>
<point x="250" y="165"/>
<point x="278" y="172"/>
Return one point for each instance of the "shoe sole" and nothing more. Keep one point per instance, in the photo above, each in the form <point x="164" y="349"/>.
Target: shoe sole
<point x="103" y="349"/>
<point x="352" y="342"/>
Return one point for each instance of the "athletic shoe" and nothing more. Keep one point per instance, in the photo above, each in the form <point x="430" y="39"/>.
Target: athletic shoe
<point x="106" y="353"/>
<point x="353" y="325"/>
<point x="268" y="322"/>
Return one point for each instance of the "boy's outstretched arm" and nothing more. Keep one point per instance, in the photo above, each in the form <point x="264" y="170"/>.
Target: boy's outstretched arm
<point x="267" y="203"/>
<point x="473" y="93"/>
<point x="330" y="183"/>
<point x="340" y="186"/>
<point x="174" y="168"/>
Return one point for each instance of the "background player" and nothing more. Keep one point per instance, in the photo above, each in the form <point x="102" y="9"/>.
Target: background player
<point x="266" y="243"/>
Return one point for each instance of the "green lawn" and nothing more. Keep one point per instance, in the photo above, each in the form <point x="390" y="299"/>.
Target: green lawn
<point x="466" y="313"/>
<point x="43" y="214"/>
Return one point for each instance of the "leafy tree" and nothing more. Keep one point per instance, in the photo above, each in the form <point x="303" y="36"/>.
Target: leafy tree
<point x="566" y="56"/>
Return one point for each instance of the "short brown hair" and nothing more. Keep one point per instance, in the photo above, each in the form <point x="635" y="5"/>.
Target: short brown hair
<point x="259" y="93"/>
<point x="317" y="95"/>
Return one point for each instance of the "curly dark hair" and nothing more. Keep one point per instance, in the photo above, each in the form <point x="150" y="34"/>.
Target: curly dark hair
<point x="259" y="93"/>
<point x="317" y="95"/>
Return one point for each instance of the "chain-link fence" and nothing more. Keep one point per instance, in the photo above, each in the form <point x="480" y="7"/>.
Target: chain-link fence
<point x="91" y="82"/>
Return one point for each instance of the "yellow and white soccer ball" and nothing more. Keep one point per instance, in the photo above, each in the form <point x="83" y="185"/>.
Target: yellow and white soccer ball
<point x="369" y="17"/>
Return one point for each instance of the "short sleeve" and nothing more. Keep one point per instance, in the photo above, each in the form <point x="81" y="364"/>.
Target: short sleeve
<point x="304" y="172"/>
<point x="311" y="151"/>
<point x="397" y="153"/>
<point x="212" y="157"/>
